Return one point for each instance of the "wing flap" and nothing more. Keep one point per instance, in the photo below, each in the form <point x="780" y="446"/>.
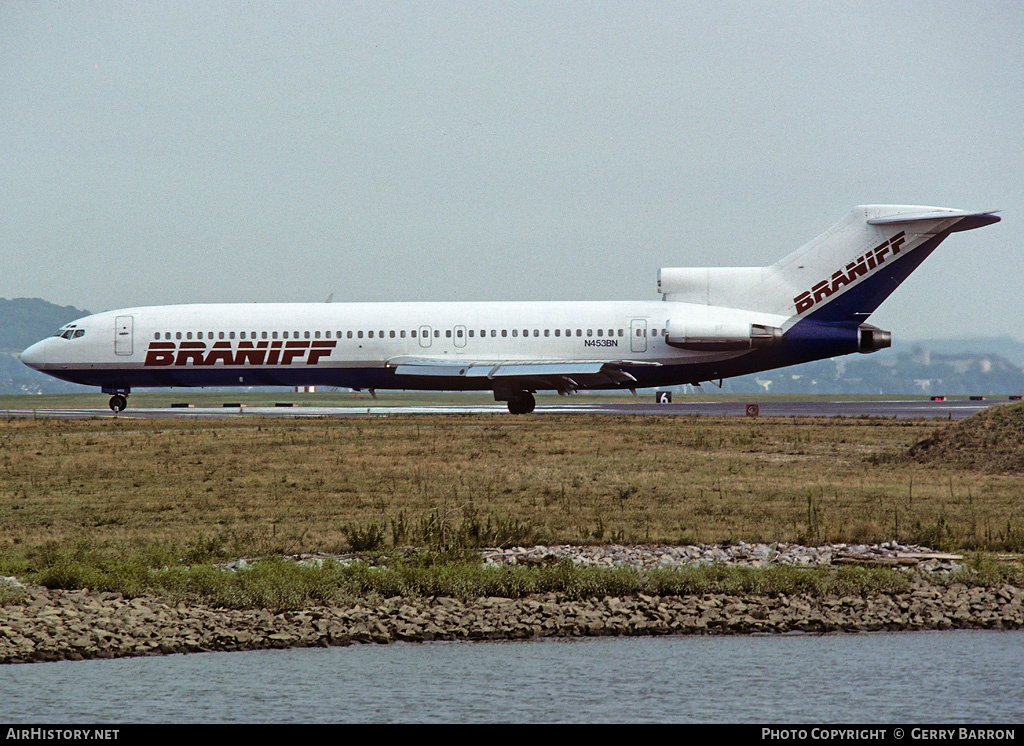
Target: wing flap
<point x="555" y="374"/>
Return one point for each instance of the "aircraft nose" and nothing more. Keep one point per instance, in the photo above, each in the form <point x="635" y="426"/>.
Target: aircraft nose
<point x="35" y="356"/>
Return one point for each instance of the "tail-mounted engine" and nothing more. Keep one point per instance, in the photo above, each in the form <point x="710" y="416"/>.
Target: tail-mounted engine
<point x="873" y="339"/>
<point x="712" y="337"/>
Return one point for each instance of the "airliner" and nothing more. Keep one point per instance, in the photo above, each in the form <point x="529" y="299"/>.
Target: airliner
<point x="710" y="324"/>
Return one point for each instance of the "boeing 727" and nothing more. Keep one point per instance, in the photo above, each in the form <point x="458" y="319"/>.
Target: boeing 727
<point x="711" y="323"/>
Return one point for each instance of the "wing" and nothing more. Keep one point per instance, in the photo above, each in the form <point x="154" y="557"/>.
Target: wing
<point x="565" y="376"/>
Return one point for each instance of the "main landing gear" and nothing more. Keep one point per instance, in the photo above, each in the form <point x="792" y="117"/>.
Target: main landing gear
<point x="521" y="402"/>
<point x="119" y="400"/>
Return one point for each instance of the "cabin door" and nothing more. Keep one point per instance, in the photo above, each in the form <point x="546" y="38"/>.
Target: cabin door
<point x="638" y="335"/>
<point x="424" y="336"/>
<point x="123" y="335"/>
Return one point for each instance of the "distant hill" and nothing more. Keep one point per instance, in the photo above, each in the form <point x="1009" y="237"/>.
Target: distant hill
<point x="888" y="372"/>
<point x="24" y="321"/>
<point x="1005" y="347"/>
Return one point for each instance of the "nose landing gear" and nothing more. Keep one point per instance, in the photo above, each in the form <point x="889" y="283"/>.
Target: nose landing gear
<point x="119" y="400"/>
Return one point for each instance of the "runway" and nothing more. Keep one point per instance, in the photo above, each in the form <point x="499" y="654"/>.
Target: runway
<point x="951" y="410"/>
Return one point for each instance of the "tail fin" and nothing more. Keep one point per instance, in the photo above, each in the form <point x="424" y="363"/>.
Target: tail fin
<point x="841" y="276"/>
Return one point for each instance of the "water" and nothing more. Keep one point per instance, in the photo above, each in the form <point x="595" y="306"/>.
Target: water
<point x="922" y="677"/>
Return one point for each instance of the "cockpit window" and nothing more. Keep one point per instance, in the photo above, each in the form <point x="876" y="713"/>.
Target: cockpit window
<point x="69" y="332"/>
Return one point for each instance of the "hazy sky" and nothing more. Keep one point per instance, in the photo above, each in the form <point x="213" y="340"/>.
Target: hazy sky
<point x="171" y="152"/>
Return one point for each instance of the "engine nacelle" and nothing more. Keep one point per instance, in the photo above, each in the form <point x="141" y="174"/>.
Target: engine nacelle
<point x="710" y="286"/>
<point x="873" y="339"/>
<point x="712" y="337"/>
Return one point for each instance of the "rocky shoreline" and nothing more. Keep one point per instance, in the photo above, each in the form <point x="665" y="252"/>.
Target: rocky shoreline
<point x="52" y="625"/>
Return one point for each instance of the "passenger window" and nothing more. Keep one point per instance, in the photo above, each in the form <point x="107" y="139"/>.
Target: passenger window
<point x="391" y="333"/>
<point x="306" y="335"/>
<point x="504" y="332"/>
<point x="558" y="332"/>
<point x="600" y="332"/>
<point x="231" y="335"/>
<point x="413" y="334"/>
<point x="370" y="334"/>
<point x="515" y="332"/>
<point x="590" y="332"/>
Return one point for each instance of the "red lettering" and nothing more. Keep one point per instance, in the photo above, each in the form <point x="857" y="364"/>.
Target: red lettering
<point x="821" y="290"/>
<point x="160" y="353"/>
<point x="293" y="350"/>
<point x="896" y="242"/>
<point x="190" y="351"/>
<point x="247" y="354"/>
<point x="220" y="351"/>
<point x="319" y="350"/>
<point x="275" y="350"/>
<point x="838" y="280"/>
<point x="856" y="269"/>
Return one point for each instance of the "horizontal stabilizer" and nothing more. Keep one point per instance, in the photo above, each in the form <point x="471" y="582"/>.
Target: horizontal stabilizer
<point x="913" y="217"/>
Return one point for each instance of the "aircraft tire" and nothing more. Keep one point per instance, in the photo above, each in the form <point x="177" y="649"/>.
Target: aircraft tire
<point x="523" y="403"/>
<point x="118" y="403"/>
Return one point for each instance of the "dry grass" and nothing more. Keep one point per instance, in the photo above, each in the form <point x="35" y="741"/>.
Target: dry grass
<point x="255" y="486"/>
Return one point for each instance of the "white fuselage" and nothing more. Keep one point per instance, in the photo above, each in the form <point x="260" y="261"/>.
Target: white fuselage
<point x="356" y="343"/>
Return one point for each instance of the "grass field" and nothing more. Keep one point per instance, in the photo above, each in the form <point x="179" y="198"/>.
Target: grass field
<point x="260" y="486"/>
